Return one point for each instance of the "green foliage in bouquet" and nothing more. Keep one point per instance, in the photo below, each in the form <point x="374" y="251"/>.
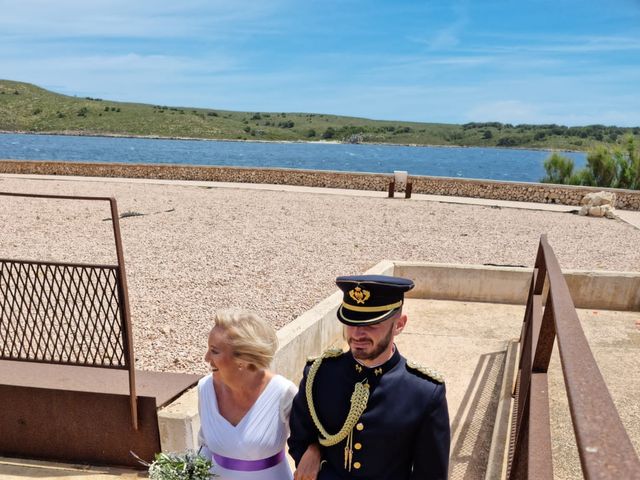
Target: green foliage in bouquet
<point x="185" y="466"/>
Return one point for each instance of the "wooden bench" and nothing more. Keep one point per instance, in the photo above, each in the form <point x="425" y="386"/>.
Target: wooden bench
<point x="68" y="387"/>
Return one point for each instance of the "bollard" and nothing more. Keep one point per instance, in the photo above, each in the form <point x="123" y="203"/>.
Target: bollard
<point x="400" y="178"/>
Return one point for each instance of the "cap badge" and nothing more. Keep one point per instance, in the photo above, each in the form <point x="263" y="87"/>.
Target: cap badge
<point x="359" y="295"/>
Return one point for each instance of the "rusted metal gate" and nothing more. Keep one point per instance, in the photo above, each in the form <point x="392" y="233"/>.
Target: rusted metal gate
<point x="604" y="447"/>
<point x="66" y="355"/>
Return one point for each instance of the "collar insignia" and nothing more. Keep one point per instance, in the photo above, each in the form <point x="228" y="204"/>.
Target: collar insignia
<point x="358" y="368"/>
<point x="378" y="371"/>
<point x="359" y="295"/>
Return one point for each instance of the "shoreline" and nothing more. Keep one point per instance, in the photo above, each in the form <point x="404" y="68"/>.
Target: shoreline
<point x="319" y="142"/>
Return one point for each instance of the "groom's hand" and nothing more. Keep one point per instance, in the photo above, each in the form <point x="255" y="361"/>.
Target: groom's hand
<point x="310" y="463"/>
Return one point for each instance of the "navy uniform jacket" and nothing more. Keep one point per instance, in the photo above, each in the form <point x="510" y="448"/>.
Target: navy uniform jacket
<point x="403" y="433"/>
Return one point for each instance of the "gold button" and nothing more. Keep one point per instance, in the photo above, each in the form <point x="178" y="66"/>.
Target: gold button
<point x="356" y="465"/>
<point x="360" y="427"/>
<point x="357" y="446"/>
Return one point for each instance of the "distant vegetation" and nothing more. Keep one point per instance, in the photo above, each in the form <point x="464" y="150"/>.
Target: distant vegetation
<point x="616" y="167"/>
<point x="27" y="108"/>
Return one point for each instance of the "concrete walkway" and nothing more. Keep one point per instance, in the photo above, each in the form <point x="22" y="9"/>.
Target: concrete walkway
<point x="467" y="342"/>
<point x="629" y="216"/>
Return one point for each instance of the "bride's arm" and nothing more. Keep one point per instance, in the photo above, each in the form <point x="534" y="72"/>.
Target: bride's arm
<point x="203" y="449"/>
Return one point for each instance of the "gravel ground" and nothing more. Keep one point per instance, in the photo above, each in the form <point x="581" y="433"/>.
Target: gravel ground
<point x="190" y="250"/>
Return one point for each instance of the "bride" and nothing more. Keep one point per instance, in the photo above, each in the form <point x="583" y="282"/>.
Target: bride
<point x="244" y="407"/>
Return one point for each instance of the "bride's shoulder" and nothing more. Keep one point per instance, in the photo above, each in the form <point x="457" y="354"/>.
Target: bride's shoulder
<point x="286" y="387"/>
<point x="205" y="382"/>
<point x="284" y="382"/>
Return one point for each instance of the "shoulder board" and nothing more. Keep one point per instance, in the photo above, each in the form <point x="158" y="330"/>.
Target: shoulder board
<point x="330" y="353"/>
<point x="425" y="371"/>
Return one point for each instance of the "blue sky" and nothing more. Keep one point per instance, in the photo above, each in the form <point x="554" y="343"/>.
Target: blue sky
<point x="565" y="62"/>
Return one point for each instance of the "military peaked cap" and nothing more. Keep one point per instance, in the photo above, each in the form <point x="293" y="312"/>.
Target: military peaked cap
<point x="370" y="299"/>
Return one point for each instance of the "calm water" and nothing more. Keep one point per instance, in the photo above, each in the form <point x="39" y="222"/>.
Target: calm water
<point x="484" y="163"/>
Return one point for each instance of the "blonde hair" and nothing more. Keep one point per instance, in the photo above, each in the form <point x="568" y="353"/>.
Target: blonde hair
<point x="251" y="338"/>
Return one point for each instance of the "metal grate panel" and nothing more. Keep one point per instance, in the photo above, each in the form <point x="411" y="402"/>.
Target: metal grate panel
<point x="61" y="313"/>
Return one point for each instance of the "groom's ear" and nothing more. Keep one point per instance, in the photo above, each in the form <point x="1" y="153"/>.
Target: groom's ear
<point x="400" y="324"/>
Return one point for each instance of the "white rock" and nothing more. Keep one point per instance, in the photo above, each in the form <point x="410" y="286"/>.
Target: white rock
<point x="598" y="204"/>
<point x="596" y="211"/>
<point x="595" y="199"/>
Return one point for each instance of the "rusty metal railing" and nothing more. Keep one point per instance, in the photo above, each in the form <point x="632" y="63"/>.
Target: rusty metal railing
<point x="68" y="313"/>
<point x="604" y="447"/>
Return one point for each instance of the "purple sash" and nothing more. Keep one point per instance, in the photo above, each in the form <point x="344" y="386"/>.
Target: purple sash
<point x="248" y="465"/>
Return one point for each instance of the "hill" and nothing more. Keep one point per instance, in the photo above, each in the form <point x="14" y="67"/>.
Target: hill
<point x="28" y="108"/>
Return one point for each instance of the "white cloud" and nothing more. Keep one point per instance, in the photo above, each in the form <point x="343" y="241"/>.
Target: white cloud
<point x="444" y="39"/>
<point x="560" y="44"/>
<point x="40" y="19"/>
<point x="447" y="37"/>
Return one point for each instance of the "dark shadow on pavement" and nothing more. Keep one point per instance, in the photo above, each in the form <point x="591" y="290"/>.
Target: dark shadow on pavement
<point x="472" y="427"/>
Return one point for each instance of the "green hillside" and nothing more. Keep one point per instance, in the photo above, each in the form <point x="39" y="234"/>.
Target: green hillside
<point x="28" y="108"/>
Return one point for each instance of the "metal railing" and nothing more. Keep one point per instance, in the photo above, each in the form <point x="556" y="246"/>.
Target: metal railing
<point x="604" y="447"/>
<point x="68" y="313"/>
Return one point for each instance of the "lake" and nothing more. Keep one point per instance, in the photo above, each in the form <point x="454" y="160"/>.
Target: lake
<point x="473" y="162"/>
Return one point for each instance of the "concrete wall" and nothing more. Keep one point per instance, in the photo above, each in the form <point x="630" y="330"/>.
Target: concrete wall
<point x="517" y="191"/>
<point x="604" y="290"/>
<point x="510" y="285"/>
<point x="471" y="283"/>
<point x="179" y="423"/>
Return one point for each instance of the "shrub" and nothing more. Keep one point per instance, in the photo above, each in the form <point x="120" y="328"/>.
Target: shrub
<point x="329" y="133"/>
<point x="539" y="136"/>
<point x="507" y="142"/>
<point x="602" y="165"/>
<point x="559" y="169"/>
<point x="617" y="167"/>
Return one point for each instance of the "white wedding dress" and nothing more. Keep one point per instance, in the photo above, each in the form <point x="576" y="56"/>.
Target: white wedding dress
<point x="256" y="442"/>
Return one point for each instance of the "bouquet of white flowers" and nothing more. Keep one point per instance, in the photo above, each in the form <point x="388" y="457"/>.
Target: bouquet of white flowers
<point x="179" y="466"/>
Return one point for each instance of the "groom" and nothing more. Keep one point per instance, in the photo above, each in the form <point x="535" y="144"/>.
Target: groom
<point x="369" y="412"/>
